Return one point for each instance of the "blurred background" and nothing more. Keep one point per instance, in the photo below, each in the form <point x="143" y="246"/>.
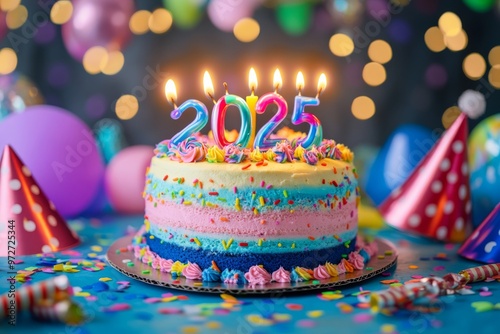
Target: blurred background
<point x="84" y="55"/>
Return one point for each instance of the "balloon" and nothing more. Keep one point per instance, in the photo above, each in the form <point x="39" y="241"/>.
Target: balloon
<point x="294" y="17"/>
<point x="185" y="13"/>
<point x="124" y="180"/>
<point x="109" y="137"/>
<point x="484" y="142"/>
<point x="395" y="161"/>
<point x="3" y="25"/>
<point x="485" y="185"/>
<point x="97" y="23"/>
<point x="480" y="6"/>
<point x="224" y="14"/>
<point x="16" y="93"/>
<point x="61" y="153"/>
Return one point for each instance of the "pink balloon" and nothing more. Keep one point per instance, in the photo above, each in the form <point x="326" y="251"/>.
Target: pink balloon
<point x="3" y="25"/>
<point x="224" y="14"/>
<point x="61" y="152"/>
<point x="97" y="23"/>
<point x="124" y="180"/>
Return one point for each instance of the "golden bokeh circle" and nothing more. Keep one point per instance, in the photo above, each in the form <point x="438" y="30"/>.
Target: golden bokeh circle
<point x="494" y="76"/>
<point x="126" y="107"/>
<point x="160" y="21"/>
<point x="450" y="24"/>
<point x="457" y="42"/>
<point x="139" y="22"/>
<point x="474" y="66"/>
<point x="7" y="5"/>
<point x="8" y="61"/>
<point x="341" y="45"/>
<point x="114" y="63"/>
<point x="246" y="30"/>
<point x="363" y="107"/>
<point x="61" y="12"/>
<point x="95" y="59"/>
<point x="434" y="39"/>
<point x="16" y="17"/>
<point x="380" y="51"/>
<point x="494" y="56"/>
<point x="374" y="74"/>
<point x="449" y="116"/>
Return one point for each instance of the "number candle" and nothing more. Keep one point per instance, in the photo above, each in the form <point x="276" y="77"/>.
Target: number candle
<point x="315" y="135"/>
<point x="219" y="116"/>
<point x="261" y="139"/>
<point x="201" y="113"/>
<point x="252" y="101"/>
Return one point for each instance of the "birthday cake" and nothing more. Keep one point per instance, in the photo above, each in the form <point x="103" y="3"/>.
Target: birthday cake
<point x="241" y="215"/>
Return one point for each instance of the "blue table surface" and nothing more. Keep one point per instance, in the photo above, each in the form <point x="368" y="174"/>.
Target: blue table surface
<point x="205" y="313"/>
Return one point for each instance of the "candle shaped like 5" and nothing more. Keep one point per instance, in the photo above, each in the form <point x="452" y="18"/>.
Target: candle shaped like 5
<point x="261" y="138"/>
<point x="315" y="135"/>
<point x="252" y="101"/>
<point x="219" y="116"/>
<point x="197" y="124"/>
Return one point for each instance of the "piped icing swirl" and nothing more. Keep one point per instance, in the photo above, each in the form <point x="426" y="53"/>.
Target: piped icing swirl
<point x="192" y="271"/>
<point x="258" y="275"/>
<point x="281" y="276"/>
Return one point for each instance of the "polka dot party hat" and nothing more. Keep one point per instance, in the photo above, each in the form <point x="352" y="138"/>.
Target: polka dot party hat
<point x="484" y="243"/>
<point x="29" y="222"/>
<point x="435" y="199"/>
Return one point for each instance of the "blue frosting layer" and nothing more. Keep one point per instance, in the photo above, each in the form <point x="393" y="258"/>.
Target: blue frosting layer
<point x="270" y="261"/>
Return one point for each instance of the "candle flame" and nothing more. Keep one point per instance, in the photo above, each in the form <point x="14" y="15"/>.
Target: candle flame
<point x="321" y="83"/>
<point x="299" y="83"/>
<point x="171" y="91"/>
<point x="252" y="80"/>
<point x="208" y="86"/>
<point x="277" y="82"/>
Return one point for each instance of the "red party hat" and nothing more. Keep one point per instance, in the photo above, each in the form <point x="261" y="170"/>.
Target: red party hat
<point x="27" y="218"/>
<point x="435" y="199"/>
<point x="484" y="243"/>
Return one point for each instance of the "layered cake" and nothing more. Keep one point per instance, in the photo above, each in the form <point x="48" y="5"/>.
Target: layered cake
<point x="242" y="215"/>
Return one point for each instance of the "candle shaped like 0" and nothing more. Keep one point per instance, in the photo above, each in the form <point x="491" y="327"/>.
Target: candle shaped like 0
<point x="262" y="140"/>
<point x="197" y="124"/>
<point x="315" y="134"/>
<point x="252" y="101"/>
<point x="219" y="116"/>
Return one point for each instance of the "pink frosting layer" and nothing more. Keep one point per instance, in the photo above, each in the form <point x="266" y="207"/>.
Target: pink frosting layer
<point x="276" y="222"/>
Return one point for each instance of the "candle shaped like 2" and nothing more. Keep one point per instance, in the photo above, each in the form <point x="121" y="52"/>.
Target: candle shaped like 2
<point x="252" y="101"/>
<point x="261" y="138"/>
<point x="315" y="135"/>
<point x="196" y="125"/>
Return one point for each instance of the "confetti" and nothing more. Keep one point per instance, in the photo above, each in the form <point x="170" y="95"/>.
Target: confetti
<point x="294" y="307"/>
<point x="412" y="266"/>
<point x="362" y="317"/>
<point x="306" y="323"/>
<point x="105" y="279"/>
<point x="117" y="307"/>
<point x="315" y="314"/>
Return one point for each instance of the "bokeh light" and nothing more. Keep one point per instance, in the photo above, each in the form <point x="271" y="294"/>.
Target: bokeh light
<point x="7" y="5"/>
<point x="45" y="33"/>
<point x="494" y="76"/>
<point x="341" y="45"/>
<point x="95" y="59"/>
<point x="380" y="51"/>
<point x="494" y="55"/>
<point x="160" y="21"/>
<point x="450" y="24"/>
<point x="374" y="74"/>
<point x="363" y="107"/>
<point x="96" y="106"/>
<point x="8" y="61"/>
<point x="61" y="12"/>
<point x="400" y="31"/>
<point x="58" y="74"/>
<point x="457" y="42"/>
<point x="126" y="107"/>
<point x="436" y="76"/>
<point x="246" y="30"/>
<point x="139" y="22"/>
<point x="434" y="39"/>
<point x="16" y="17"/>
<point x="474" y="66"/>
<point x="449" y="116"/>
<point x="114" y="63"/>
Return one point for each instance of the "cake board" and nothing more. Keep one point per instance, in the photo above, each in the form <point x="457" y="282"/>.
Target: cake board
<point x="118" y="259"/>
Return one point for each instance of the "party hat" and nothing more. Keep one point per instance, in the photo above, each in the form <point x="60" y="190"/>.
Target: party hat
<point x="484" y="243"/>
<point x="28" y="220"/>
<point x="435" y="199"/>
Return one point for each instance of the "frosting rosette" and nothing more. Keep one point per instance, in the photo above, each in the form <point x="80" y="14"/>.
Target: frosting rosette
<point x="258" y="275"/>
<point x="281" y="276"/>
<point x="320" y="272"/>
<point x="283" y="152"/>
<point x="166" y="265"/>
<point x="210" y="275"/>
<point x="356" y="260"/>
<point x="347" y="265"/>
<point x="192" y="271"/>
<point x="346" y="153"/>
<point x="190" y="150"/>
<point x="233" y="154"/>
<point x="311" y="157"/>
<point x="256" y="155"/>
<point x="215" y="154"/>
<point x="162" y="148"/>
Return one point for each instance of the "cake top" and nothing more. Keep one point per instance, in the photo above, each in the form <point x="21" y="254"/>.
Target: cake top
<point x="200" y="148"/>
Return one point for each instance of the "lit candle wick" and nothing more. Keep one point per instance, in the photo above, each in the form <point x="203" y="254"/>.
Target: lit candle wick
<point x="321" y="84"/>
<point x="226" y="88"/>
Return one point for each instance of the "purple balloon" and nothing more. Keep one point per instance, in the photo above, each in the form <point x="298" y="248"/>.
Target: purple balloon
<point x="225" y="14"/>
<point x="3" y="25"/>
<point x="61" y="152"/>
<point x="97" y="23"/>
